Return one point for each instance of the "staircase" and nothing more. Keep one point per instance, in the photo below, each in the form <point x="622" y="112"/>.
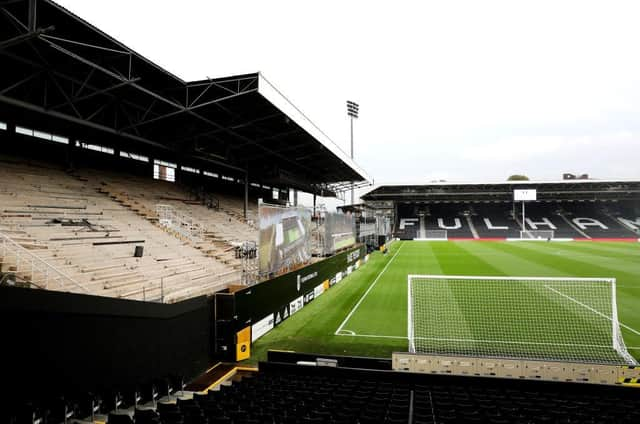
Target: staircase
<point x="471" y="226"/>
<point x="573" y="226"/>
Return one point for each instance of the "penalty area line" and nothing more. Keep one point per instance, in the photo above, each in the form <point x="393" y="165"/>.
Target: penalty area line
<point x="367" y="292"/>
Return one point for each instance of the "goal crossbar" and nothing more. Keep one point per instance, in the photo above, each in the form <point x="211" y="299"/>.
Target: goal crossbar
<point x="547" y="318"/>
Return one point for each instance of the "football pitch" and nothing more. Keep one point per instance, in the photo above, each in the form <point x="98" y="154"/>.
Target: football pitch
<point x="366" y="313"/>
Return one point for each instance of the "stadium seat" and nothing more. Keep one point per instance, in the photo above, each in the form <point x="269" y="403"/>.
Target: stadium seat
<point x="120" y="419"/>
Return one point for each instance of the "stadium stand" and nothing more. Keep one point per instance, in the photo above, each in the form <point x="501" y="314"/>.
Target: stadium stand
<point x="572" y="220"/>
<point x="597" y="221"/>
<point x="573" y="209"/>
<point x="493" y="220"/>
<point x="86" y="227"/>
<point x="449" y="217"/>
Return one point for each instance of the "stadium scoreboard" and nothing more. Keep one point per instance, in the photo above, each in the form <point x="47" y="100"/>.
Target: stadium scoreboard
<point x="524" y="195"/>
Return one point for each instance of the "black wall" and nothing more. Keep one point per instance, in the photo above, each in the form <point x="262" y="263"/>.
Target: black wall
<point x="254" y="303"/>
<point x="249" y="305"/>
<point x="54" y="341"/>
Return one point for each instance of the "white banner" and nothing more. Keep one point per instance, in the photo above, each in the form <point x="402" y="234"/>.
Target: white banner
<point x="318" y="290"/>
<point x="296" y="305"/>
<point x="261" y="327"/>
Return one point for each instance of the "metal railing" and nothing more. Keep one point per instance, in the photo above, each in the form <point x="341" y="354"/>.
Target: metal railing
<point x="35" y="269"/>
<point x="180" y="222"/>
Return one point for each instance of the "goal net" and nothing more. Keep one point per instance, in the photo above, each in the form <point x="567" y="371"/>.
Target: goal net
<point x="564" y="319"/>
<point x="432" y="234"/>
<point x="536" y="234"/>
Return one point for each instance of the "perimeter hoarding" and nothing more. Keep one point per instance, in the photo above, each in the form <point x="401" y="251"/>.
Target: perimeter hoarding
<point x="284" y="238"/>
<point x="267" y="304"/>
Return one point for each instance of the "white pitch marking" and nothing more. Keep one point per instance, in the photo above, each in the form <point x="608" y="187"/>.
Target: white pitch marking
<point x="375" y="336"/>
<point x="592" y="310"/>
<point x="368" y="290"/>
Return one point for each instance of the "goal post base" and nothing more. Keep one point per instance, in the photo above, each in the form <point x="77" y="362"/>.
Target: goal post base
<point x="588" y="373"/>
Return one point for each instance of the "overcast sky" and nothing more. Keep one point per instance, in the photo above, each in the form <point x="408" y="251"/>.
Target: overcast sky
<point x="462" y="91"/>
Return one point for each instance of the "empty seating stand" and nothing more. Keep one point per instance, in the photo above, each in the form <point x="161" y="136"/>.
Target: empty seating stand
<point x="75" y="226"/>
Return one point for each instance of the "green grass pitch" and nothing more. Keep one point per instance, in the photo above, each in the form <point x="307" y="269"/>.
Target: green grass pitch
<point x="369" y="307"/>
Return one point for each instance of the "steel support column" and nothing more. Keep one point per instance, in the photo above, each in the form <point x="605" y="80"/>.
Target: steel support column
<point x="246" y="193"/>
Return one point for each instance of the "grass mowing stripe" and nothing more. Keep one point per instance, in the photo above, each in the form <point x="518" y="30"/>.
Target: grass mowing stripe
<point x="601" y="251"/>
<point x="627" y="248"/>
<point x="353" y="310"/>
<point x="510" y="263"/>
<point x="569" y="266"/>
<point x="451" y="263"/>
<point x="577" y="253"/>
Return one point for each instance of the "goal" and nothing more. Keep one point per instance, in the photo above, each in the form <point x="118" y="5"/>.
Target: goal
<point x="540" y="318"/>
<point x="432" y="234"/>
<point x="537" y="234"/>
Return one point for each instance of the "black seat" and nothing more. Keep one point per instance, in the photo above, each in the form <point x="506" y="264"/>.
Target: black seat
<point x="120" y="419"/>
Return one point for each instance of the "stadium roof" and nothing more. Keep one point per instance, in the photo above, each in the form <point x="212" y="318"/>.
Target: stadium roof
<point x="503" y="191"/>
<point x="57" y="68"/>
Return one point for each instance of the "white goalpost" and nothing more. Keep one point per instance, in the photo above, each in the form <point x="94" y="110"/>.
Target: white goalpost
<point x="537" y="234"/>
<point x="432" y="235"/>
<point x="540" y="318"/>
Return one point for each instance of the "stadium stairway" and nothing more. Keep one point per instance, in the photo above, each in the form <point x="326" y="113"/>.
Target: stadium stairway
<point x="472" y="227"/>
<point x="592" y="217"/>
<point x="449" y="216"/>
<point x="563" y="216"/>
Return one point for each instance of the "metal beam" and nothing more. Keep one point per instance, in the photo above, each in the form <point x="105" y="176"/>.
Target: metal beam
<point x="182" y="110"/>
<point x="65" y="77"/>
<point x="19" y="83"/>
<point x="33" y="15"/>
<point x="19" y="25"/>
<point x="24" y="37"/>
<point x="232" y="127"/>
<point x="80" y="121"/>
<point x="95" y="93"/>
<point x="111" y="74"/>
